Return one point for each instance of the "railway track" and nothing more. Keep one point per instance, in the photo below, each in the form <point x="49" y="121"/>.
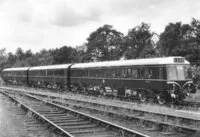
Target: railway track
<point x="69" y="122"/>
<point x="186" y="105"/>
<point x="165" y="123"/>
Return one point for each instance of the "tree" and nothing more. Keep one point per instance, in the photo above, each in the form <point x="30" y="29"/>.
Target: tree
<point x="11" y="59"/>
<point x="3" y="59"/>
<point x="28" y="53"/>
<point x="181" y="40"/>
<point x="19" y="54"/>
<point x="104" y="44"/>
<point x="195" y="41"/>
<point x="139" y="42"/>
<point x="175" y="39"/>
<point x="64" y="54"/>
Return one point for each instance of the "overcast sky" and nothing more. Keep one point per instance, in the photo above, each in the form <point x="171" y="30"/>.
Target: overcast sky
<point x="38" y="24"/>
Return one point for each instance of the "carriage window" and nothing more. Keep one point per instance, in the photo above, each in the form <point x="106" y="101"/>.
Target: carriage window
<point x="146" y="73"/>
<point x="129" y="72"/>
<point x="92" y="73"/>
<point x="50" y="73"/>
<point x="150" y="76"/>
<point x="105" y="73"/>
<point x="59" y="72"/>
<point x="74" y="73"/>
<point x="112" y="73"/>
<point x="124" y="72"/>
<point x="101" y="73"/>
<point x="141" y="73"/>
<point x="98" y="73"/>
<point x="134" y="73"/>
<point x="78" y="73"/>
<point x="118" y="73"/>
<point x="85" y="73"/>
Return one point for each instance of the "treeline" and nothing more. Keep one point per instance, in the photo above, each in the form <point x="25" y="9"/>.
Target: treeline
<point x="107" y="43"/>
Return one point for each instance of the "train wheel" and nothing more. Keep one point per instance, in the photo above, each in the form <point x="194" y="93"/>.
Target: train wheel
<point x="161" y="99"/>
<point x="142" y="97"/>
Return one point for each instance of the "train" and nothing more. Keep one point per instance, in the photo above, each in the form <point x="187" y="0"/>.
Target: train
<point x="164" y="79"/>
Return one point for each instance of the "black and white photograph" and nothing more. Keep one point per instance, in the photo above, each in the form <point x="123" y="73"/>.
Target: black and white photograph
<point x="99" y="68"/>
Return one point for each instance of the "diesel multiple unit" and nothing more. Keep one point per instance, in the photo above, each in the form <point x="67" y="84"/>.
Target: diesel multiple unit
<point x="166" y="79"/>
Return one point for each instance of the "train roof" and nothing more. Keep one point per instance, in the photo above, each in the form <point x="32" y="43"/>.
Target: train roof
<point x="16" y="69"/>
<point x="62" y="66"/>
<point x="149" y="61"/>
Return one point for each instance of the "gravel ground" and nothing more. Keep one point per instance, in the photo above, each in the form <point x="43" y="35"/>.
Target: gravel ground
<point x="9" y="125"/>
<point x="14" y="122"/>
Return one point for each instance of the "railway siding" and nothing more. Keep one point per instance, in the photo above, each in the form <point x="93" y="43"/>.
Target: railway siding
<point x="52" y="116"/>
<point x="156" y="109"/>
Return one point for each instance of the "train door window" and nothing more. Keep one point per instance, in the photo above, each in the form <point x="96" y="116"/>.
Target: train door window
<point x="45" y="72"/>
<point x="81" y="73"/>
<point x="90" y="74"/>
<point x="141" y="73"/>
<point x="93" y="73"/>
<point x="87" y="73"/>
<point x="117" y="72"/>
<point x="146" y="73"/>
<point x="150" y="75"/>
<point x="160" y="73"/>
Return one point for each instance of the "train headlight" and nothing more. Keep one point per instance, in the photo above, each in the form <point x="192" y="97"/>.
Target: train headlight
<point x="174" y="86"/>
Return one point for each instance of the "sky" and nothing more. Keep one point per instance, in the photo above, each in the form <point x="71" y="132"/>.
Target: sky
<point x="47" y="24"/>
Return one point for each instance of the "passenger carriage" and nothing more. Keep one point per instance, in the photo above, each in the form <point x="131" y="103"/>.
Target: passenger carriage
<point x="15" y="75"/>
<point x="52" y="76"/>
<point x="166" y="79"/>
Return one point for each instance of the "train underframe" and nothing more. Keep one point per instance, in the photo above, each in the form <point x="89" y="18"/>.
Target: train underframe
<point x="142" y="94"/>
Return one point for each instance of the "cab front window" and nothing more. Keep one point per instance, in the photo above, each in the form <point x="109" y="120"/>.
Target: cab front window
<point x="178" y="72"/>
